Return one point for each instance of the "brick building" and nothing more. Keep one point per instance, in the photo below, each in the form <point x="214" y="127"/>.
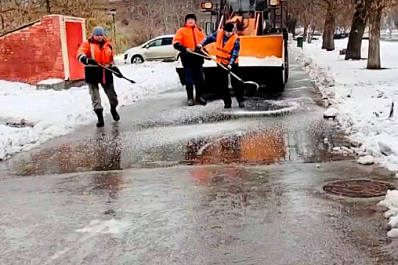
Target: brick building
<point x="43" y="50"/>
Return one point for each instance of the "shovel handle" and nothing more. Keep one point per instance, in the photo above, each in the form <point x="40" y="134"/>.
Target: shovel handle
<point x="116" y="73"/>
<point x="222" y="66"/>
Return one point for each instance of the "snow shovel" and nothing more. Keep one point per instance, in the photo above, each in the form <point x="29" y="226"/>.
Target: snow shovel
<point x="248" y="85"/>
<point x="116" y="73"/>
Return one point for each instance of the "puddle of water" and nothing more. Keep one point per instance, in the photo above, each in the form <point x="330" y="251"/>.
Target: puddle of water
<point x="272" y="144"/>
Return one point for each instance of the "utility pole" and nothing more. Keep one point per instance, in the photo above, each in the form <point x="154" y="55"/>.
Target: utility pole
<point x="113" y="12"/>
<point x="48" y="7"/>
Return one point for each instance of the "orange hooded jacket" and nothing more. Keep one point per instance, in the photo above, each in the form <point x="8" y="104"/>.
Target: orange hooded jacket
<point x="101" y="52"/>
<point x="189" y="36"/>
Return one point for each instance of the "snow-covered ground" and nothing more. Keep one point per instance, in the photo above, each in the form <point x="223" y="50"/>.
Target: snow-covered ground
<point x="56" y="113"/>
<point x="390" y="206"/>
<point x="362" y="97"/>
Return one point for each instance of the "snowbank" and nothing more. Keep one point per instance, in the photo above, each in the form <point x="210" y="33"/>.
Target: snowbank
<point x="390" y="205"/>
<point x="57" y="113"/>
<point x="363" y="97"/>
<point x="51" y="81"/>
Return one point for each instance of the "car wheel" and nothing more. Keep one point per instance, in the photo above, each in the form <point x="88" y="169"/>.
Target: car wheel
<point x="137" y="59"/>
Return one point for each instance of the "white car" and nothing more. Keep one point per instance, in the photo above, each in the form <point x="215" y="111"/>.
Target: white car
<point x="159" y="48"/>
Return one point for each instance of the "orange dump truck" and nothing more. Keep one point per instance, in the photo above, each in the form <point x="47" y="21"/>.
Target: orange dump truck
<point x="262" y="28"/>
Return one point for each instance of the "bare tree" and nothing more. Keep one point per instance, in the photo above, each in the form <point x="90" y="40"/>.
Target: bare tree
<point x="138" y="20"/>
<point x="375" y="11"/>
<point x="345" y="14"/>
<point x="330" y="24"/>
<point x="315" y="19"/>
<point x="302" y="10"/>
<point x="357" y="30"/>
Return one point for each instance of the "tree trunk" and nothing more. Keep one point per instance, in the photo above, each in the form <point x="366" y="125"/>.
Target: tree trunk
<point x="356" y="33"/>
<point x="395" y="18"/>
<point x="328" y="32"/>
<point x="48" y="6"/>
<point x="374" y="39"/>
<point x="292" y="26"/>
<point x="311" y="34"/>
<point x="390" y="25"/>
<point x="305" y="33"/>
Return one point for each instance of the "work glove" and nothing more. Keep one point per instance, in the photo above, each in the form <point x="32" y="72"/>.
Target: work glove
<point x="199" y="47"/>
<point x="117" y="72"/>
<point x="229" y="67"/>
<point x="90" y="61"/>
<point x="206" y="54"/>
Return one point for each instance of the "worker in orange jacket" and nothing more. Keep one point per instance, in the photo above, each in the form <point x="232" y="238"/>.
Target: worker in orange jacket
<point x="185" y="41"/>
<point x="94" y="51"/>
<point x="227" y="54"/>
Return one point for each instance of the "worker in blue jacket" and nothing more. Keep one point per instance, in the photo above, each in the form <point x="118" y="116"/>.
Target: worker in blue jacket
<point x="227" y="54"/>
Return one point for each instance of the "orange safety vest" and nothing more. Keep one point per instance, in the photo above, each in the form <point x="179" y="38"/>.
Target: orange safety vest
<point x="189" y="37"/>
<point x="224" y="53"/>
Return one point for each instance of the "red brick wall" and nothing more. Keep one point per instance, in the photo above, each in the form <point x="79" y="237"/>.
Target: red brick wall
<point x="32" y="54"/>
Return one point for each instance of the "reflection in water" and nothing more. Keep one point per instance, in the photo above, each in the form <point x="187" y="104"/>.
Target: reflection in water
<point x="257" y="147"/>
<point x="205" y="175"/>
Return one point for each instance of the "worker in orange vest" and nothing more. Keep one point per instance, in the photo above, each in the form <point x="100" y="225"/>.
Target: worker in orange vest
<point x="94" y="51"/>
<point x="227" y="54"/>
<point x="186" y="40"/>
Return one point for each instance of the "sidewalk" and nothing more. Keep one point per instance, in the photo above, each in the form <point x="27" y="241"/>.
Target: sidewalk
<point x="363" y="98"/>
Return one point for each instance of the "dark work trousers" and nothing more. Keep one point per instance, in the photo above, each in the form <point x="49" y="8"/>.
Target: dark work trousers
<point x="194" y="76"/>
<point x="223" y="83"/>
<point x="96" y="98"/>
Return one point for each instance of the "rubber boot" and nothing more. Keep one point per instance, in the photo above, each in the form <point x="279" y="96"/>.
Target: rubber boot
<point x="227" y="102"/>
<point x="114" y="113"/>
<point x="100" y="117"/>
<point x="201" y="101"/>
<point x="190" y="96"/>
<point x="199" y="98"/>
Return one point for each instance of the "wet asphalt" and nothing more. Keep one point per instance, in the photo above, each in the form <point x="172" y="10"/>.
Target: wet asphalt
<point x="171" y="184"/>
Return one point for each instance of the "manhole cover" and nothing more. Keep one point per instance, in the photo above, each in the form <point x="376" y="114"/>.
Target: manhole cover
<point x="361" y="188"/>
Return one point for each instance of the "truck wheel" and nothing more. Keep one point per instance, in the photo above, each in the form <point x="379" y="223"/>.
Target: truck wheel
<point x="278" y="84"/>
<point x="286" y="67"/>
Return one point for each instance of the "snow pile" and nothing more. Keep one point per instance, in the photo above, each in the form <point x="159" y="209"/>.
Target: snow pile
<point x="50" y="81"/>
<point x="390" y="203"/>
<point x="360" y="98"/>
<point x="366" y="160"/>
<point x="57" y="113"/>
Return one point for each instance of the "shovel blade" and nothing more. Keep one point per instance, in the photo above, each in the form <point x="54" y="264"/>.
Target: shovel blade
<point x="250" y="88"/>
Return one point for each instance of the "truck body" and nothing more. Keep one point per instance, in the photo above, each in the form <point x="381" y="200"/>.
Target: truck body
<point x="262" y="28"/>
